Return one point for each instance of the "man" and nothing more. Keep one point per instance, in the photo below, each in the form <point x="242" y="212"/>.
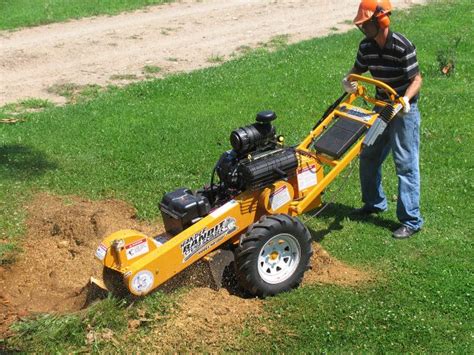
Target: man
<point x="390" y="58"/>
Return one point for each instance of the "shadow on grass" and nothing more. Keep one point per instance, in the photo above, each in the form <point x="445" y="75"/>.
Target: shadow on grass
<point x="21" y="162"/>
<point x="338" y="212"/>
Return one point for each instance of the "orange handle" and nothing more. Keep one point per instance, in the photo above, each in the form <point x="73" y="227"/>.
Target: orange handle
<point x="394" y="97"/>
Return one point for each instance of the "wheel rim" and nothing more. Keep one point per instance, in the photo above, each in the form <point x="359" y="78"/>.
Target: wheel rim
<point x="279" y="258"/>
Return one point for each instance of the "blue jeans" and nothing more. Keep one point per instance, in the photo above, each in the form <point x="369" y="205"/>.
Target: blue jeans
<point x="402" y="137"/>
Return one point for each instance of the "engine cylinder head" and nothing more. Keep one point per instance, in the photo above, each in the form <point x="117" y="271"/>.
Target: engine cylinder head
<point x="249" y="138"/>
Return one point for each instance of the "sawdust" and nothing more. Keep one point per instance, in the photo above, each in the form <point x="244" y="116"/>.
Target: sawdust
<point x="52" y="272"/>
<point x="328" y="270"/>
<point x="205" y="320"/>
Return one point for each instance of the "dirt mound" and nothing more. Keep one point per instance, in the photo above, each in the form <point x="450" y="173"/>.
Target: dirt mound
<point x="326" y="269"/>
<point x="58" y="254"/>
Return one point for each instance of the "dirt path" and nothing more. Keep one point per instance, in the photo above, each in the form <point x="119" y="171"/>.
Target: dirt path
<point x="176" y="37"/>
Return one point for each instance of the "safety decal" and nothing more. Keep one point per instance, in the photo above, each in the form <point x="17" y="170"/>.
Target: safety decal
<point x="206" y="238"/>
<point x="101" y="252"/>
<point x="279" y="198"/>
<point x="136" y="249"/>
<point x="142" y="282"/>
<point x="307" y="177"/>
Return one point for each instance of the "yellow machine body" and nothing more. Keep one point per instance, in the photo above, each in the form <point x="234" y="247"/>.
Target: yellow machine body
<point x="147" y="262"/>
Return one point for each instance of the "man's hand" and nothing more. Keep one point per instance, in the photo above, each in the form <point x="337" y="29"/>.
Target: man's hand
<point x="406" y="104"/>
<point x="412" y="90"/>
<point x="349" y="86"/>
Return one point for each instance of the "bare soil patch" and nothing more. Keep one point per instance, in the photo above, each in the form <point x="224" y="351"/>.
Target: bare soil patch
<point x="52" y="274"/>
<point x="181" y="36"/>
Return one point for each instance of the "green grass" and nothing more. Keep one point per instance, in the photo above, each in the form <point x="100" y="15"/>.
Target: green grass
<point x="22" y="13"/>
<point x="216" y="58"/>
<point x="123" y="77"/>
<point x="278" y="42"/>
<point x="19" y="108"/>
<point x="102" y="327"/>
<point x="151" y="69"/>
<point x="139" y="142"/>
<point x="74" y="93"/>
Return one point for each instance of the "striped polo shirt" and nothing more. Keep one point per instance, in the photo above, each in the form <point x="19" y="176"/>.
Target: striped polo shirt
<point x="395" y="64"/>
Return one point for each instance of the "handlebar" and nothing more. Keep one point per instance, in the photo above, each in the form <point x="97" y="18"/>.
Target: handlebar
<point x="361" y="91"/>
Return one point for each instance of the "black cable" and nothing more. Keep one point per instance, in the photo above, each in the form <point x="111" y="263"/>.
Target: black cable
<point x="330" y="108"/>
<point x="211" y="195"/>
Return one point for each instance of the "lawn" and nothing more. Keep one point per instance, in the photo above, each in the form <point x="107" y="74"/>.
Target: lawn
<point x="139" y="142"/>
<point x="23" y="13"/>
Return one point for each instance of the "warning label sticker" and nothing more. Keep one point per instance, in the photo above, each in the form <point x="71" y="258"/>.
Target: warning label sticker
<point x="307" y="177"/>
<point x="101" y="252"/>
<point x="136" y="249"/>
<point x="279" y="198"/>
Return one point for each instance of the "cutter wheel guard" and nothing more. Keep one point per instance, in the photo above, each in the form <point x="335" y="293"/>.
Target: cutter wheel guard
<point x="251" y="208"/>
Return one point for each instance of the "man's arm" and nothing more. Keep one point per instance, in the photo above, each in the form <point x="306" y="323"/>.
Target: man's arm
<point x="354" y="70"/>
<point x="414" y="87"/>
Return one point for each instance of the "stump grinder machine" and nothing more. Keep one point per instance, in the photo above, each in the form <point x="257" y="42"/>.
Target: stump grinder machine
<point x="250" y="209"/>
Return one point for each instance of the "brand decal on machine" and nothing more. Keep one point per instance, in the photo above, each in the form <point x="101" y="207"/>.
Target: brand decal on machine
<point x="206" y="238"/>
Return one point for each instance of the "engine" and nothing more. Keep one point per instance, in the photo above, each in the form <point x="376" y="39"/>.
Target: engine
<point x="256" y="160"/>
<point x="258" y="170"/>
